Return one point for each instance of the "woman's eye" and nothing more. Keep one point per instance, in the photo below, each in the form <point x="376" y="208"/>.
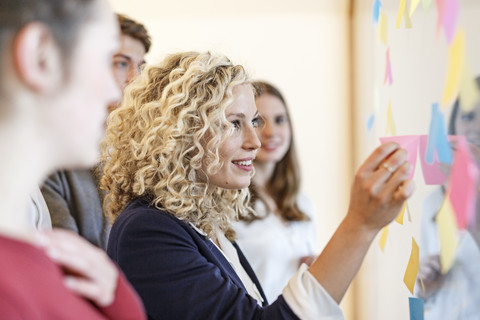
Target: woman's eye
<point x="236" y="124"/>
<point x="468" y="116"/>
<point x="256" y="122"/>
<point x="280" y="119"/>
<point x="120" y="64"/>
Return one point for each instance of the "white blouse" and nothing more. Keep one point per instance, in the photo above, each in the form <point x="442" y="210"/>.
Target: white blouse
<point x="274" y="247"/>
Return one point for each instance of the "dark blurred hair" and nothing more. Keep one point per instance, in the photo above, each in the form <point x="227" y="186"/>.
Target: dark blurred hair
<point x="284" y="184"/>
<point x="62" y="17"/>
<point x="135" y="30"/>
<point x="455" y="110"/>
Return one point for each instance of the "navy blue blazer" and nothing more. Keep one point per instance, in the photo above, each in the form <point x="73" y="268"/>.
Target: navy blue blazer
<point x="180" y="274"/>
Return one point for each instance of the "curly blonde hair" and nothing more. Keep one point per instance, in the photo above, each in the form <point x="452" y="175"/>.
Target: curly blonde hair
<point x="171" y="124"/>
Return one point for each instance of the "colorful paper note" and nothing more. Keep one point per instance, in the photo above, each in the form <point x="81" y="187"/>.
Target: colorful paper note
<point x="437" y="139"/>
<point x="383" y="238"/>
<point x="450" y="17"/>
<point x="376" y="10"/>
<point x="410" y="276"/>
<point x="382" y="28"/>
<point x="456" y="58"/>
<point x="370" y="122"/>
<point x="462" y="187"/>
<point x="403" y="13"/>
<point x="416" y="306"/>
<point x="448" y="235"/>
<point x="399" y="218"/>
<point x="413" y="6"/>
<point x="426" y="4"/>
<point x="440" y="15"/>
<point x="388" y="69"/>
<point x="390" y="123"/>
<point x="469" y="92"/>
<point x="409" y="143"/>
<point x="431" y="171"/>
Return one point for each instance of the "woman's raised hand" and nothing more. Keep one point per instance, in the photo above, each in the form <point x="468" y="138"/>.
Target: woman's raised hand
<point x="380" y="188"/>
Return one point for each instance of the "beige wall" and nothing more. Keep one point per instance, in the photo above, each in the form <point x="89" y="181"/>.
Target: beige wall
<point x="301" y="46"/>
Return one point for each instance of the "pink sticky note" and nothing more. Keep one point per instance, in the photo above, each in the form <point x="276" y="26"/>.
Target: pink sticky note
<point x="388" y="69"/>
<point x="462" y="186"/>
<point x="440" y="14"/>
<point x="450" y="17"/>
<point x="431" y="172"/>
<point x="409" y="143"/>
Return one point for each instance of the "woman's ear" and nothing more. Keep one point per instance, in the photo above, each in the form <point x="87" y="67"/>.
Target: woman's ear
<point x="37" y="58"/>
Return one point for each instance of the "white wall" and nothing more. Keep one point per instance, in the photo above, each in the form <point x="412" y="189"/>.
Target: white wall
<point x="419" y="66"/>
<point x="301" y="46"/>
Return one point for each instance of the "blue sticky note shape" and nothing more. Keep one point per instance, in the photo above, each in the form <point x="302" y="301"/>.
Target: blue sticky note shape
<point x="416" y="308"/>
<point x="370" y="122"/>
<point x="437" y="139"/>
<point x="376" y="10"/>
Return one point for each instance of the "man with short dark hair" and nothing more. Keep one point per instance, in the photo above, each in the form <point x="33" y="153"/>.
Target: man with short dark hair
<point x="73" y="196"/>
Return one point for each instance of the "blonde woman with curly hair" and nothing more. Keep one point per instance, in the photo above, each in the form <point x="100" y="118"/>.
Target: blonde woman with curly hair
<point x="178" y="162"/>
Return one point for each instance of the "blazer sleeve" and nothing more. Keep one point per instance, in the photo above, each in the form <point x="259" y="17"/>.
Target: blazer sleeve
<point x="175" y="281"/>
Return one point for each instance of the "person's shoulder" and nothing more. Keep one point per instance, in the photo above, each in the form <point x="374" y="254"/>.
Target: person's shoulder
<point x="305" y="204"/>
<point x="142" y="213"/>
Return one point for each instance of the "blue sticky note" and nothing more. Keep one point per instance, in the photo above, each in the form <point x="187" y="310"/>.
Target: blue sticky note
<point x="437" y="139"/>
<point x="370" y="122"/>
<point x="376" y="10"/>
<point x="416" y="308"/>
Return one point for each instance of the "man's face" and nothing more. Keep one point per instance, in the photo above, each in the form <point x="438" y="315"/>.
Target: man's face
<point x="128" y="61"/>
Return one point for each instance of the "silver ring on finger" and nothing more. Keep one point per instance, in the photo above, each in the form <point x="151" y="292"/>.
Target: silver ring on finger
<point x="389" y="169"/>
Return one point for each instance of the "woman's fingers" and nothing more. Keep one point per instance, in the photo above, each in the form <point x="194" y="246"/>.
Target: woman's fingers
<point x="378" y="156"/>
<point x="87" y="268"/>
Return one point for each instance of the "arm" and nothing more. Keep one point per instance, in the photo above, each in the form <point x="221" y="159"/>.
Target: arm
<point x="377" y="197"/>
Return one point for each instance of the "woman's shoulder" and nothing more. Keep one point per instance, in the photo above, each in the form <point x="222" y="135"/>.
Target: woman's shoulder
<point x="305" y="204"/>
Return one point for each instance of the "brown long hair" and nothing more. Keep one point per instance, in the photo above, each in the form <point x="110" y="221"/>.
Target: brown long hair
<point x="284" y="184"/>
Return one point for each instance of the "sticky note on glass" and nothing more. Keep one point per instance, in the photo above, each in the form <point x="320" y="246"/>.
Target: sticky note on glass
<point x="437" y="139"/>
<point x="383" y="238"/>
<point x="462" y="187"/>
<point x="376" y="10"/>
<point x="382" y="27"/>
<point x="413" y="6"/>
<point x="409" y="143"/>
<point x="456" y="60"/>
<point x="447" y="232"/>
<point x="388" y="69"/>
<point x="416" y="306"/>
<point x="469" y="92"/>
<point x="450" y="17"/>
<point x="410" y="276"/>
<point x="399" y="218"/>
<point x="390" y="122"/>
<point x="426" y="4"/>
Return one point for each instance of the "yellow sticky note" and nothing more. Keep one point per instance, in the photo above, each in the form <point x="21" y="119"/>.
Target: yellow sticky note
<point x="399" y="218"/>
<point x="390" y="123"/>
<point x="401" y="9"/>
<point x="468" y="91"/>
<point x="383" y="238"/>
<point x="413" y="6"/>
<point x="412" y="268"/>
<point x="382" y="27"/>
<point x="408" y="212"/>
<point x="448" y="234"/>
<point x="403" y="13"/>
<point x="456" y="56"/>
